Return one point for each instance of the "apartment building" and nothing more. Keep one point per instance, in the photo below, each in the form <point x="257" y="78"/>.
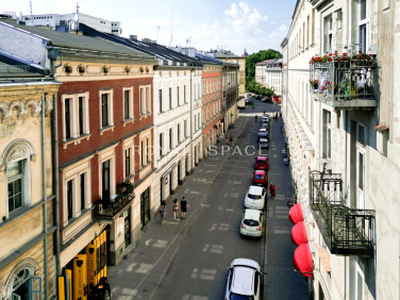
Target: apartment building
<point x="341" y="123"/>
<point x="27" y="226"/>
<point x="104" y="145"/>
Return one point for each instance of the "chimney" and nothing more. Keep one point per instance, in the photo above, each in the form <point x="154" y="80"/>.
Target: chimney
<point x="133" y="38"/>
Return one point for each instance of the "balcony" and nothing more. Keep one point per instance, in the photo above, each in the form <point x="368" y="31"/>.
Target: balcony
<point x="346" y="231"/>
<point x="108" y="209"/>
<point x="344" y="82"/>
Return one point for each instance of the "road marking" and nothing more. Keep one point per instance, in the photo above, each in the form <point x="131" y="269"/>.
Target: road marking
<point x="205" y="205"/>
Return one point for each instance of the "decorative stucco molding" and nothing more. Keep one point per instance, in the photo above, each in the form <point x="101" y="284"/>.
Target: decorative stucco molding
<point x="23" y="108"/>
<point x="16" y="150"/>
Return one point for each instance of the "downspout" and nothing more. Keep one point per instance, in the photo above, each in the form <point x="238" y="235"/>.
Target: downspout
<point x="53" y="54"/>
<point x="44" y="199"/>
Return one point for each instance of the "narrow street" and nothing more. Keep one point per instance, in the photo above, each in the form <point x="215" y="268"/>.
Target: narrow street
<point x="187" y="259"/>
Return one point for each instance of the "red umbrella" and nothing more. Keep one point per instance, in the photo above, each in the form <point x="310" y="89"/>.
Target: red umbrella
<point x="302" y="260"/>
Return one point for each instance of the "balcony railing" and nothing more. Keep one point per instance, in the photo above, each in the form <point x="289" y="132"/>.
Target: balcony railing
<point x="346" y="231"/>
<point x="343" y="82"/>
<point x="109" y="208"/>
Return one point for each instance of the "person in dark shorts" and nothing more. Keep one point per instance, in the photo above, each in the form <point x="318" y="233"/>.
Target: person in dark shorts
<point x="183" y="208"/>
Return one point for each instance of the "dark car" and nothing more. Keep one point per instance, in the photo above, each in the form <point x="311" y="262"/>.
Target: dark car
<point x="249" y="101"/>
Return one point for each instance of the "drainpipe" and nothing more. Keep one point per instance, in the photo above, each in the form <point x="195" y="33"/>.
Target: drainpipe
<point x="53" y="54"/>
<point x="44" y="199"/>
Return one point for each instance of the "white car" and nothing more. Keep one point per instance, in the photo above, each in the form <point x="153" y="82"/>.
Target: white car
<point x="255" y="197"/>
<point x="252" y="223"/>
<point x="265" y="119"/>
<point x="245" y="280"/>
<point x="262" y="132"/>
<point x="263" y="143"/>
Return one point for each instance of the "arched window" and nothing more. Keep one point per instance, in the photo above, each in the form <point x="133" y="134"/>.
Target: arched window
<point x="16" y="162"/>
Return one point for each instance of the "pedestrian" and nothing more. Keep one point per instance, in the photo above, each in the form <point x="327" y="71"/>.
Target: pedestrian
<point x="183" y="208"/>
<point x="175" y="209"/>
<point x="230" y="140"/>
<point x="255" y="118"/>
<point x="163" y="213"/>
<point x="264" y="113"/>
<point x="272" y="189"/>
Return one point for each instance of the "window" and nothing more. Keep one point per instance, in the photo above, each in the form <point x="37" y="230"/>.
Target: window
<point x="15" y="185"/>
<point x="177" y="95"/>
<point x="75" y="112"/>
<point x="328" y="34"/>
<point x="128" y="162"/>
<point x="161" y="144"/>
<point x="185" y="128"/>
<point x="70" y="199"/>
<point x="171" y="143"/>
<point x="128" y="103"/>
<point x="144" y="100"/>
<point x="160" y="100"/>
<point x="184" y="94"/>
<point x="106" y="111"/>
<point x="82" y="188"/>
<point x="363" y="25"/>
<point x="326" y="134"/>
<point x="170" y="98"/>
<point x="145" y="151"/>
<point x="106" y="180"/>
<point x="178" y="133"/>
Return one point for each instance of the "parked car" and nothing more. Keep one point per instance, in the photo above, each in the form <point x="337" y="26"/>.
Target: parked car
<point x="255" y="197"/>
<point x="249" y="101"/>
<point x="252" y="223"/>
<point x="265" y="125"/>
<point x="265" y="119"/>
<point x="263" y="143"/>
<point x="260" y="178"/>
<point x="261" y="163"/>
<point x="245" y="280"/>
<point x="262" y="132"/>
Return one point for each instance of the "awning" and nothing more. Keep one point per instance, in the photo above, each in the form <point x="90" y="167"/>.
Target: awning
<point x="299" y="234"/>
<point x="302" y="260"/>
<point x="296" y="213"/>
<point x="381" y="128"/>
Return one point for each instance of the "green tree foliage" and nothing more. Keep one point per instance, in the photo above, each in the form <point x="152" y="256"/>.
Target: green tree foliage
<point x="254" y="58"/>
<point x="258" y="88"/>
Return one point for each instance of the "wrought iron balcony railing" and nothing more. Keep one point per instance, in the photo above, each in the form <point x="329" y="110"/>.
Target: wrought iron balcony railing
<point x="346" y="231"/>
<point x="344" y="83"/>
<point x="109" y="208"/>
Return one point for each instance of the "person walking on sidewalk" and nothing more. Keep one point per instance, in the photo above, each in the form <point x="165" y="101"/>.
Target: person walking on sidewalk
<point x="272" y="189"/>
<point x="175" y="209"/>
<point x="183" y="208"/>
<point x="230" y="140"/>
<point x="163" y="213"/>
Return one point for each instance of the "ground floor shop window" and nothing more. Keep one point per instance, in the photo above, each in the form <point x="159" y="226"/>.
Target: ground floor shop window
<point x="145" y="207"/>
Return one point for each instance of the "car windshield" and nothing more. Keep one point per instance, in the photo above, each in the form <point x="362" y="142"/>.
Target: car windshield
<point x="259" y="177"/>
<point x="262" y="162"/>
<point x="255" y="197"/>
<point x="251" y="222"/>
<point x="241" y="297"/>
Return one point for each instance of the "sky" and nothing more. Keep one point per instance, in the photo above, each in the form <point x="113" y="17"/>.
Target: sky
<point x="253" y="25"/>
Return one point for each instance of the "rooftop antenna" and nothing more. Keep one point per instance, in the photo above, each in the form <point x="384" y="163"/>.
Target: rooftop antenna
<point x="77" y="17"/>
<point x="172" y="21"/>
<point x="31" y="11"/>
<point x="158" y="33"/>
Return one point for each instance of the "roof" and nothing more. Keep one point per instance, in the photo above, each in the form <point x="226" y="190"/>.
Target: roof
<point x="152" y="48"/>
<point x="73" y="41"/>
<point x="252" y="214"/>
<point x="255" y="190"/>
<point x="259" y="172"/>
<point x="208" y="59"/>
<point x="261" y="158"/>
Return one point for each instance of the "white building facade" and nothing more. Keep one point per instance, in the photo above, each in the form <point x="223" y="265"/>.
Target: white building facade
<point x="177" y="127"/>
<point x="341" y="123"/>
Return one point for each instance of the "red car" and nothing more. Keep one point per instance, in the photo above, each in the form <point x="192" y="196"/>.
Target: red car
<point x="260" y="178"/>
<point x="261" y="163"/>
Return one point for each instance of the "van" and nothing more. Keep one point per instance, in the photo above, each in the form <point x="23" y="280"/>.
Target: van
<point x="260" y="178"/>
<point x="261" y="163"/>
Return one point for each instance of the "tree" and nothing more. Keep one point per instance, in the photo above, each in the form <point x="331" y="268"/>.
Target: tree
<point x="254" y="58"/>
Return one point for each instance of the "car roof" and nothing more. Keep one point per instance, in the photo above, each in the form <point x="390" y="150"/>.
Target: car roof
<point x="261" y="158"/>
<point x="243" y="278"/>
<point x="263" y="141"/>
<point x="259" y="172"/>
<point x="252" y="214"/>
<point x="255" y="190"/>
<point x="245" y="262"/>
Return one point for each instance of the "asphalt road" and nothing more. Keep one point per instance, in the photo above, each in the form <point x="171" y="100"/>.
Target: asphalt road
<point x="212" y="240"/>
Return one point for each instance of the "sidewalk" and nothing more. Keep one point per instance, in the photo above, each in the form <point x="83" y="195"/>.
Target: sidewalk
<point x="138" y="276"/>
